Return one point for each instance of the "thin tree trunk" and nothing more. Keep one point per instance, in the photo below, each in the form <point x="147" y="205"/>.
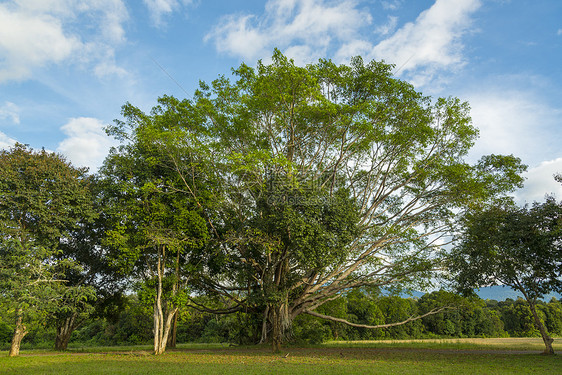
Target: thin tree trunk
<point x="174" y="330"/>
<point x="159" y="346"/>
<point x="545" y="337"/>
<point x="264" y="326"/>
<point x="19" y="333"/>
<point x="163" y="316"/>
<point x="162" y="327"/>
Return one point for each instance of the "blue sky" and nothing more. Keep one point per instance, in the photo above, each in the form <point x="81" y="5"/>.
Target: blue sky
<point x="67" y="66"/>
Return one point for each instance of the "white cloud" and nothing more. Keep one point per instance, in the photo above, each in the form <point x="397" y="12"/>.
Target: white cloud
<point x="353" y="48"/>
<point x="559" y="32"/>
<point x="27" y="41"/>
<point x="87" y="145"/>
<point x="160" y="8"/>
<point x="391" y="4"/>
<point x="237" y="36"/>
<point x="6" y="142"/>
<point x="431" y="43"/>
<point x="107" y="66"/>
<point x="515" y="122"/>
<point x="540" y="182"/>
<point x="308" y="28"/>
<point x="520" y="123"/>
<point x="388" y="27"/>
<point x="10" y="111"/>
<point x="35" y="33"/>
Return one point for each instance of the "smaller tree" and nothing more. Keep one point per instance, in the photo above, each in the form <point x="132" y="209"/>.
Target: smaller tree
<point x="157" y="231"/>
<point x="93" y="285"/>
<point x="517" y="247"/>
<point x="29" y="285"/>
<point x="42" y="199"/>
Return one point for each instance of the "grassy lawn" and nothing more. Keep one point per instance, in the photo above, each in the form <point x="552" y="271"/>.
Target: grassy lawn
<point x="477" y="356"/>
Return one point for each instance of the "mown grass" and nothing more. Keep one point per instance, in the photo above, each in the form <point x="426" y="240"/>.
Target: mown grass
<point x="441" y="357"/>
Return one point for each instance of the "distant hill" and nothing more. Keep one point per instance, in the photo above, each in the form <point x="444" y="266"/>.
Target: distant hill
<point x="501" y="293"/>
<point x="496" y="292"/>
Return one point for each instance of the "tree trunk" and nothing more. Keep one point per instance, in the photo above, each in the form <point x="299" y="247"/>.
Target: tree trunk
<point x="545" y="337"/>
<point x="162" y="327"/>
<point x="174" y="332"/>
<point x="264" y="327"/>
<point x="64" y="331"/>
<point x="163" y="315"/>
<point x="19" y="332"/>
<point x="281" y="326"/>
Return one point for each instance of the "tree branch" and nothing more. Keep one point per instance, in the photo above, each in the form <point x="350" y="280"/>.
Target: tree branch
<point x="410" y="319"/>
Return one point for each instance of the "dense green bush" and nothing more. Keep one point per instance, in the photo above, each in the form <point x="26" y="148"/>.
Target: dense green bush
<point x="310" y="330"/>
<point x="5" y="332"/>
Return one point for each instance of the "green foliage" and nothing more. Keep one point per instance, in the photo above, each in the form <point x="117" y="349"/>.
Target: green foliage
<point x="553" y="316"/>
<point x="325" y="178"/>
<point x="310" y="330"/>
<point x="517" y="247"/>
<point x="518" y="319"/>
<point x="145" y="194"/>
<point x="6" y="332"/>
<point x="43" y="199"/>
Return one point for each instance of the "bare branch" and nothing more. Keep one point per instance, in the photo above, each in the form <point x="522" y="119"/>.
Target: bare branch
<point x="410" y="319"/>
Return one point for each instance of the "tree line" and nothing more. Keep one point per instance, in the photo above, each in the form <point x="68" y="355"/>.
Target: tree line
<point x="474" y="317"/>
<point x="274" y="196"/>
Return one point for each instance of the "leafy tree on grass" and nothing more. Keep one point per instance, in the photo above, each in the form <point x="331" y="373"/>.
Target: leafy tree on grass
<point x="517" y="247"/>
<point x="42" y="199"/>
<point x="326" y="178"/>
<point x="157" y="229"/>
<point x="96" y="284"/>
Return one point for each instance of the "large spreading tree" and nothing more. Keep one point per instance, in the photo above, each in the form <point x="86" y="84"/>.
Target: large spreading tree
<point x="517" y="247"/>
<point x="324" y="178"/>
<point x="43" y="198"/>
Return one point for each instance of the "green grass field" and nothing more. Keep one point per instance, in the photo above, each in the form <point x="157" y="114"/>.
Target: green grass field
<point x="464" y="356"/>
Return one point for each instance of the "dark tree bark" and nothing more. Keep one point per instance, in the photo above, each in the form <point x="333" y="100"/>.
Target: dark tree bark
<point x="172" y="337"/>
<point x="280" y="325"/>
<point x="64" y="331"/>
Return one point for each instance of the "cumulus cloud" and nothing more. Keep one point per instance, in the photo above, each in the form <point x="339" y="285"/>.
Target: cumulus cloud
<point x="10" y="111"/>
<point x="522" y="124"/>
<point x="35" y="33"/>
<point x="6" y="142"/>
<point x="304" y="26"/>
<point x="388" y="27"/>
<point x="391" y="4"/>
<point x="540" y="182"/>
<point x="431" y="43"/>
<point x="341" y="29"/>
<point x="160" y="8"/>
<point x="86" y="144"/>
<point x="515" y="122"/>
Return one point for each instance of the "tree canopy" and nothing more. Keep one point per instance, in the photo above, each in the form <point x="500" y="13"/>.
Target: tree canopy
<point x="156" y="230"/>
<point x="42" y="200"/>
<point x="517" y="247"/>
<point x="322" y="178"/>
